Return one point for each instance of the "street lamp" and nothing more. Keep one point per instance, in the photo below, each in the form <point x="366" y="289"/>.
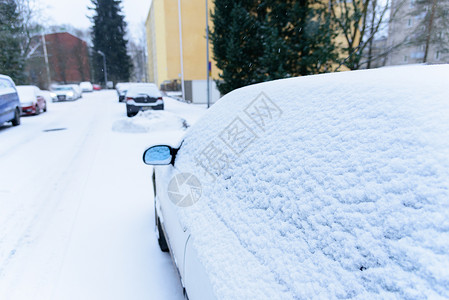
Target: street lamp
<point x="47" y="66"/>
<point x="180" y="51"/>
<point x="104" y="68"/>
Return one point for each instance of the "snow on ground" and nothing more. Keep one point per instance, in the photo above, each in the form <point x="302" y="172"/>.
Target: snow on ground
<point x="339" y="190"/>
<point x="76" y="205"/>
<point x="192" y="114"/>
<point x="150" y="121"/>
<point x="174" y="94"/>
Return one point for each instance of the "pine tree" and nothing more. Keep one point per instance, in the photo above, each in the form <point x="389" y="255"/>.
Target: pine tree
<point x="108" y="34"/>
<point x="236" y="43"/>
<point x="299" y="38"/>
<point x="255" y="41"/>
<point x="11" y="59"/>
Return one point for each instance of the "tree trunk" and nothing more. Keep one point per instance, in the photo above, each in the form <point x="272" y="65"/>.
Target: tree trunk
<point x="429" y="29"/>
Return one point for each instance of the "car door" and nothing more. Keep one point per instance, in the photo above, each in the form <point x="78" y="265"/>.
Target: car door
<point x="196" y="279"/>
<point x="3" y="102"/>
<point x="176" y="232"/>
<point x="7" y="100"/>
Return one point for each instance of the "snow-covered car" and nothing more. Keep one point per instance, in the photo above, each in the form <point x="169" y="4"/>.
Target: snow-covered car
<point x="122" y="88"/>
<point x="86" y="86"/>
<point x="10" y="109"/>
<point x="31" y="99"/>
<point x="77" y="89"/>
<point x="318" y="187"/>
<point x="143" y="96"/>
<point x="65" y="92"/>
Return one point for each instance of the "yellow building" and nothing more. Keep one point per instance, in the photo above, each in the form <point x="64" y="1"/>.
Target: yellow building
<point x="163" y="42"/>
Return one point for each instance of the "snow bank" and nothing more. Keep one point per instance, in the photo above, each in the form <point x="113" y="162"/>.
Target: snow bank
<point x="339" y="190"/>
<point x="149" y="121"/>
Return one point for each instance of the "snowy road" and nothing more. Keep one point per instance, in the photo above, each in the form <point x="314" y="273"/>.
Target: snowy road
<point x="76" y="207"/>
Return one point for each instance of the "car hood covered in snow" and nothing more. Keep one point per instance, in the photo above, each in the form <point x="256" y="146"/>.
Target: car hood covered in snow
<point x="326" y="186"/>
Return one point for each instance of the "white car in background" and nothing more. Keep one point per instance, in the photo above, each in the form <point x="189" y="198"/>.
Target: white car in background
<point x="77" y="89"/>
<point x="318" y="187"/>
<point x="86" y="86"/>
<point x="65" y="92"/>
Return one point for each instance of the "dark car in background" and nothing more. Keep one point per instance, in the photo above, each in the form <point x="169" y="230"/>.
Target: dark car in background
<point x="143" y="96"/>
<point x="9" y="102"/>
<point x="122" y="88"/>
<point x="31" y="99"/>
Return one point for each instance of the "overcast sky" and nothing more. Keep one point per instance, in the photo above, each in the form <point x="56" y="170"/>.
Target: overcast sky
<point x="74" y="12"/>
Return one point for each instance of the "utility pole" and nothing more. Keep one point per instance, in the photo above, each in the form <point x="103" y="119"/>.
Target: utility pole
<point x="180" y="50"/>
<point x="47" y="66"/>
<point x="104" y="68"/>
<point x="207" y="55"/>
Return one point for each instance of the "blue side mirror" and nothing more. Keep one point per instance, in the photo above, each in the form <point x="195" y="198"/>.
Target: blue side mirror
<point x="158" y="155"/>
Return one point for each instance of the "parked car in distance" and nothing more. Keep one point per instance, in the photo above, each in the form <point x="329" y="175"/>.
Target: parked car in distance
<point x="86" y="86"/>
<point x="143" y="96"/>
<point x="31" y="99"/>
<point x="328" y="186"/>
<point x="78" y="89"/>
<point x="96" y="87"/>
<point x="122" y="88"/>
<point x="10" y="109"/>
<point x="65" y="92"/>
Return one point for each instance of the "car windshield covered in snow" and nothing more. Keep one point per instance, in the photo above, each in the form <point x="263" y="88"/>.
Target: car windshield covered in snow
<point x="143" y="90"/>
<point x="62" y="88"/>
<point x="325" y="186"/>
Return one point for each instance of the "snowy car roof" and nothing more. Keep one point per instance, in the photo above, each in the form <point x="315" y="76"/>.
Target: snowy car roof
<point x="325" y="186"/>
<point x="143" y="89"/>
<point x="27" y="92"/>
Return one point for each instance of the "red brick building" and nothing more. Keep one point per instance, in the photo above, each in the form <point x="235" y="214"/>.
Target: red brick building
<point x="68" y="60"/>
